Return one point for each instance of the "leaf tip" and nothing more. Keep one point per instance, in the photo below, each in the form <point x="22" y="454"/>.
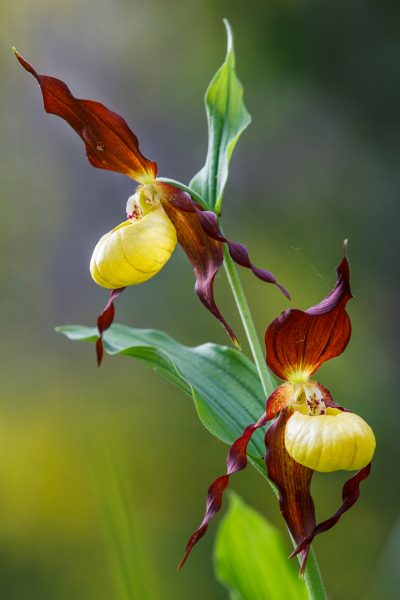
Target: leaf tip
<point x="229" y="37"/>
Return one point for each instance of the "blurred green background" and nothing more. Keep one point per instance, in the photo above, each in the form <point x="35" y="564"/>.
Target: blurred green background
<point x="103" y="472"/>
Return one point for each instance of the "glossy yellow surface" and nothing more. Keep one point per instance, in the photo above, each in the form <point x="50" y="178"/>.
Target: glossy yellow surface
<point x="331" y="442"/>
<point x="134" y="251"/>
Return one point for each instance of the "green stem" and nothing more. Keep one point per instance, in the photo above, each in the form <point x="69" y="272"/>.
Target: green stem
<point x="312" y="577"/>
<point x="248" y="324"/>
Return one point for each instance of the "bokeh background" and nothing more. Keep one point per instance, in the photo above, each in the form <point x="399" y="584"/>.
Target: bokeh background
<point x="103" y="472"/>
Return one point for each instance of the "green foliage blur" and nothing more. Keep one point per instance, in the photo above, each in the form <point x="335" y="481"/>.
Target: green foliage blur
<point x="243" y="541"/>
<point x="103" y="473"/>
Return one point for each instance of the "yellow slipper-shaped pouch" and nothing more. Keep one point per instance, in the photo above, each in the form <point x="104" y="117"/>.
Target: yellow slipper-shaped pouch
<point x="134" y="251"/>
<point x="333" y="441"/>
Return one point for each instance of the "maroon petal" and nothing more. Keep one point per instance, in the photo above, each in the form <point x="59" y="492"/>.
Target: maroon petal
<point x="238" y="252"/>
<point x="236" y="461"/>
<point x="293" y="482"/>
<point x="350" y="495"/>
<point x="298" y="342"/>
<point x="110" y="144"/>
<point x="104" y="321"/>
<point x="204" y="253"/>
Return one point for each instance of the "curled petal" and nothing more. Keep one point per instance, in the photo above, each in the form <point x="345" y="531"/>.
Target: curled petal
<point x="293" y="482"/>
<point x="236" y="461"/>
<point x="350" y="495"/>
<point x="238" y="252"/>
<point x="104" y="321"/>
<point x="298" y="342"/>
<point x="204" y="253"/>
<point x="110" y="144"/>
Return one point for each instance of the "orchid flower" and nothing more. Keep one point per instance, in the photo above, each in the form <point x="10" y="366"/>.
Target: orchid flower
<point x="310" y="432"/>
<point x="158" y="214"/>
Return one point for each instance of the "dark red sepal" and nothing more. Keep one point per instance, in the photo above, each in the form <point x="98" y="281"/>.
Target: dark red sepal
<point x="104" y="321"/>
<point x="350" y="495"/>
<point x="300" y="341"/>
<point x="110" y="144"/>
<point x="293" y="482"/>
<point x="236" y="461"/>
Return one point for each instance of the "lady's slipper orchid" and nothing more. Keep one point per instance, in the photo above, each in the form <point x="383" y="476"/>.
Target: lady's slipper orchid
<point x="158" y="214"/>
<point x="310" y="432"/>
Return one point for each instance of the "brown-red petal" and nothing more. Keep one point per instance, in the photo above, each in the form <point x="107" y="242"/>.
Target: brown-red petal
<point x="298" y="342"/>
<point x="236" y="461"/>
<point x="104" y="321"/>
<point x="109" y="142"/>
<point x="350" y="495"/>
<point x="238" y="252"/>
<point x="293" y="482"/>
<point x="204" y="253"/>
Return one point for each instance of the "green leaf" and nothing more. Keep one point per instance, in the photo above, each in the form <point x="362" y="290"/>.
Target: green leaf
<point x="227" y="118"/>
<point x="251" y="559"/>
<point x="222" y="381"/>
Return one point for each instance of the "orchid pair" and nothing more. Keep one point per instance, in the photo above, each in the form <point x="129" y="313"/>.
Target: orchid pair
<point x="308" y="430"/>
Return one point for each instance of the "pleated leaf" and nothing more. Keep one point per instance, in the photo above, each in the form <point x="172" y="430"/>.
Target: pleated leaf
<point x="222" y="381"/>
<point x="251" y="558"/>
<point x="227" y="118"/>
